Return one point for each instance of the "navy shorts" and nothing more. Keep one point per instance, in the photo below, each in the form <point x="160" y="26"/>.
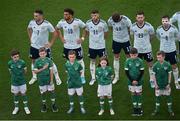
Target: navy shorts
<point x="171" y="57"/>
<point x="116" y="47"/>
<point x="146" y="56"/>
<point x="34" y="53"/>
<point x="93" y="53"/>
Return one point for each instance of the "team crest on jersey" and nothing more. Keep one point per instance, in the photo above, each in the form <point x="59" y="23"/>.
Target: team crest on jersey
<point x="19" y="66"/>
<point x="137" y="64"/>
<point x="145" y="30"/>
<point x="165" y="68"/>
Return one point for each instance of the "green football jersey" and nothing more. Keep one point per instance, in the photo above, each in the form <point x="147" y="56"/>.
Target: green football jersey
<point x="74" y="74"/>
<point x="43" y="76"/>
<point x="104" y="75"/>
<point x="161" y="72"/>
<point x="17" y="72"/>
<point x="134" y="66"/>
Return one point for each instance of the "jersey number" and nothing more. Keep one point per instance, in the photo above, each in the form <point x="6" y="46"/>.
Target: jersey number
<point x="95" y="32"/>
<point x="37" y="32"/>
<point x="140" y="35"/>
<point x="118" y="28"/>
<point x="70" y="31"/>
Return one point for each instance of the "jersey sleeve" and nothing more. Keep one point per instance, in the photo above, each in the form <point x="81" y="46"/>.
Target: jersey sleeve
<point x="35" y="65"/>
<point x="81" y="24"/>
<point x="110" y="71"/>
<point x="126" y="67"/>
<point x="128" y="23"/>
<point x="110" y="22"/>
<point x="173" y="18"/>
<point x="87" y="27"/>
<point x="59" y="25"/>
<point x="151" y="30"/>
<point x="105" y="27"/>
<point x="131" y="30"/>
<point x="50" y="27"/>
<point x="9" y="65"/>
<point x="80" y="68"/>
<point x="142" y="65"/>
<point x="30" y="24"/>
<point x="24" y="64"/>
<point x="157" y="34"/>
<point x="50" y="64"/>
<point x="176" y="34"/>
<point x="97" y="73"/>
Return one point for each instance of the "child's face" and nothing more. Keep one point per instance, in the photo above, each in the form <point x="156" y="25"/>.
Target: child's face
<point x="42" y="54"/>
<point x="15" y="57"/>
<point x="133" y="56"/>
<point x="72" y="58"/>
<point x="103" y="63"/>
<point x="160" y="58"/>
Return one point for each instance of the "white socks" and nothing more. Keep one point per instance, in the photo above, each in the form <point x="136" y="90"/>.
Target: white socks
<point x="176" y="75"/>
<point x="150" y="73"/>
<point x="92" y="69"/>
<point x="116" y="67"/>
<point x="32" y="68"/>
<point x="55" y="72"/>
<point x="83" y="65"/>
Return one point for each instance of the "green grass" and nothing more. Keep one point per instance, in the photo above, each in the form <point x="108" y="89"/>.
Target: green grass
<point x="15" y="15"/>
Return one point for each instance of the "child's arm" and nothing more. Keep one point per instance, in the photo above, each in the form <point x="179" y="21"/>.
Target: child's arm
<point x="51" y="75"/>
<point x="41" y="69"/>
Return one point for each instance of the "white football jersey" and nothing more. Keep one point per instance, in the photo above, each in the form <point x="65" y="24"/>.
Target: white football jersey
<point x="167" y="38"/>
<point x="71" y="32"/>
<point x="120" y="29"/>
<point x="142" y="37"/>
<point x="96" y="33"/>
<point x="176" y="18"/>
<point x="40" y="33"/>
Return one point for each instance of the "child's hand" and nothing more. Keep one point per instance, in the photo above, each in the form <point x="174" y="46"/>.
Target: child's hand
<point x="134" y="82"/>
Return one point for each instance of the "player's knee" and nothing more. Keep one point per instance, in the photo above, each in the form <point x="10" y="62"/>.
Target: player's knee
<point x="174" y="66"/>
<point x="116" y="56"/>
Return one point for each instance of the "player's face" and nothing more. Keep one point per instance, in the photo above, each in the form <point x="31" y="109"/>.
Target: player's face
<point x="15" y="57"/>
<point x="133" y="56"/>
<point x="140" y="18"/>
<point x="37" y="17"/>
<point x="165" y="22"/>
<point x="103" y="63"/>
<point x="67" y="16"/>
<point x="42" y="54"/>
<point x="160" y="58"/>
<point x="95" y="17"/>
<point x="72" y="58"/>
